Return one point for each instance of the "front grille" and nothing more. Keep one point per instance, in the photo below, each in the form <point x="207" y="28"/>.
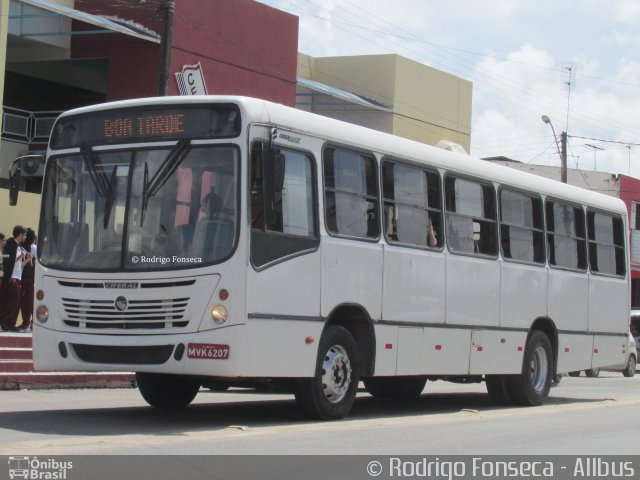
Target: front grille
<point x="148" y="314"/>
<point x="153" y="355"/>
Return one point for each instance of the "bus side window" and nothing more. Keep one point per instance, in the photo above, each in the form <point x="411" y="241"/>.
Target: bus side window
<point x="351" y="193"/>
<point x="521" y="227"/>
<point x="412" y="205"/>
<point x="606" y="244"/>
<point x="471" y="217"/>
<point x="566" y="236"/>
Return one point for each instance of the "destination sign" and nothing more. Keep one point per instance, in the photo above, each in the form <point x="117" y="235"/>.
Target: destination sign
<point x="133" y="125"/>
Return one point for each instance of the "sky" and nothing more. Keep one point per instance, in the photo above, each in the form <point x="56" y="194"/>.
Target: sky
<point x="576" y="61"/>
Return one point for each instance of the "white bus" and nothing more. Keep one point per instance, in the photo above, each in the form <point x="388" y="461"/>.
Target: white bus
<point x="232" y="241"/>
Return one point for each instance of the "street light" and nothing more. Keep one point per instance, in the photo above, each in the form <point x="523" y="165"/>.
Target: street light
<point x="562" y="149"/>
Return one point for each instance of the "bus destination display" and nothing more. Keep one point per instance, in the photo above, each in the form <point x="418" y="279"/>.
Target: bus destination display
<point x="146" y="125"/>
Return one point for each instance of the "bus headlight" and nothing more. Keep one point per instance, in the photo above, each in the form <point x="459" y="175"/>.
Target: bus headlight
<point x="42" y="313"/>
<point x="219" y="313"/>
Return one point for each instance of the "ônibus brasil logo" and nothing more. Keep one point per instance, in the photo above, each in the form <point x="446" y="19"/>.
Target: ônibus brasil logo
<point x="38" y="469"/>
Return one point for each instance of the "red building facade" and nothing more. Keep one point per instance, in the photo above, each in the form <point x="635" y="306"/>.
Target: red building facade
<point x="243" y="47"/>
<point x="630" y="194"/>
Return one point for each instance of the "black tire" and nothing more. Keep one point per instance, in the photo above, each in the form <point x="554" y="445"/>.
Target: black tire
<point x="330" y="394"/>
<point x="498" y="389"/>
<point x="574" y="374"/>
<point x="532" y="386"/>
<point x="167" y="391"/>
<point x="399" y="388"/>
<point x="592" y="372"/>
<point x="557" y="378"/>
<point x="630" y="371"/>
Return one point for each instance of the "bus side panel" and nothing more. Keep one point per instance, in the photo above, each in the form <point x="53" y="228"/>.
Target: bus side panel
<point x="351" y="275"/>
<point x="447" y="351"/>
<point x="518" y="310"/>
<point x="422" y="351"/>
<point x="608" y="350"/>
<point x="608" y="304"/>
<point x="473" y="291"/>
<point x="386" y="350"/>
<point x="569" y="300"/>
<point x="574" y="352"/>
<point x="411" y="352"/>
<point x="414" y="286"/>
<point x="494" y="351"/>
<point x="290" y="288"/>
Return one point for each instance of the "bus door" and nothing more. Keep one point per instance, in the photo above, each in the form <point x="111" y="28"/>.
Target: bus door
<point x="283" y="281"/>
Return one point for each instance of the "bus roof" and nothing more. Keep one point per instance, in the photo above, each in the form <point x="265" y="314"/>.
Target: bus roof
<point x="262" y="111"/>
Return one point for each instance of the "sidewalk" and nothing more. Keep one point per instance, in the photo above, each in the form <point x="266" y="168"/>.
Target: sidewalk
<point x="17" y="372"/>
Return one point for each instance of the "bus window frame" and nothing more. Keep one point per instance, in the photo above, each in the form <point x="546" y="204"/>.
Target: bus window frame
<point x="482" y="182"/>
<point x="529" y="194"/>
<point x="334" y="145"/>
<point x="588" y="241"/>
<point x="425" y="169"/>
<point x="549" y="232"/>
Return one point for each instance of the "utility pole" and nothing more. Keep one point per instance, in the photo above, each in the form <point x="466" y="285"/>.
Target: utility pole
<point x="166" y="11"/>
<point x="563" y="155"/>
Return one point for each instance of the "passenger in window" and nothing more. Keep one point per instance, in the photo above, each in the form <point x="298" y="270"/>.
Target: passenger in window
<point x="432" y="239"/>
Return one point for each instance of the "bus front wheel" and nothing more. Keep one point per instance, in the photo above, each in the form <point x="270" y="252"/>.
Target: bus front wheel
<point x="167" y="391"/>
<point x="330" y="394"/>
<point x="532" y="386"/>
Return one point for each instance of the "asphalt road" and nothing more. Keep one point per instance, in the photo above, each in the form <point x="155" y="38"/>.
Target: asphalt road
<point x="583" y="416"/>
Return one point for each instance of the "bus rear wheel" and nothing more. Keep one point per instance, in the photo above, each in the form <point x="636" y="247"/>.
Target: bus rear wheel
<point x="498" y="389"/>
<point x="402" y="388"/>
<point x="532" y="386"/>
<point x="330" y="394"/>
<point x="167" y="391"/>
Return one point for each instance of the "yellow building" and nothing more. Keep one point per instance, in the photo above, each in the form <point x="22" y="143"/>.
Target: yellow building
<point x="390" y="93"/>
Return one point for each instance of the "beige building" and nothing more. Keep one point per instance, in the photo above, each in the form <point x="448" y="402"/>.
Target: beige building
<point x="388" y="93"/>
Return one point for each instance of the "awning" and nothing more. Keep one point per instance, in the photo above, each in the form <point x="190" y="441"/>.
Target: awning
<point x="96" y="20"/>
<point x="342" y="94"/>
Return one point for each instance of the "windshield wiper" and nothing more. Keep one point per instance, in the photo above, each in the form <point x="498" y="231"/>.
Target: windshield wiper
<point x="169" y="165"/>
<point x="106" y="188"/>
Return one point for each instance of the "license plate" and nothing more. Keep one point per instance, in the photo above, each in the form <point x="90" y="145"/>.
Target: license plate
<point x="208" y="351"/>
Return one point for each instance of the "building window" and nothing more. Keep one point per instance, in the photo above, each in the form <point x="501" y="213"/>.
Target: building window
<point x="351" y="193"/>
<point x="412" y="205"/>
<point x="521" y="227"/>
<point x="566" y="236"/>
<point x="606" y="244"/>
<point x="471" y="217"/>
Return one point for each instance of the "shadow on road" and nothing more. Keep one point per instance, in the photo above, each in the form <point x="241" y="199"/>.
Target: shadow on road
<point x="221" y="413"/>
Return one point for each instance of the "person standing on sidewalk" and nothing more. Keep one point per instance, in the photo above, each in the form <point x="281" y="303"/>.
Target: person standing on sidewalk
<point x="12" y="265"/>
<point x="28" y="279"/>
<point x="3" y="240"/>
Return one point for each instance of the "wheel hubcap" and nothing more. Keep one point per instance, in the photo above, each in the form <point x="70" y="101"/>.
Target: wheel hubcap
<point x="539" y="369"/>
<point x="336" y="374"/>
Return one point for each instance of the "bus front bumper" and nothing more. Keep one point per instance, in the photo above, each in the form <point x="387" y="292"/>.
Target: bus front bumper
<point x="259" y="349"/>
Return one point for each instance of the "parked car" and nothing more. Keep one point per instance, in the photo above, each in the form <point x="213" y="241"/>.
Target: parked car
<point x="628" y="367"/>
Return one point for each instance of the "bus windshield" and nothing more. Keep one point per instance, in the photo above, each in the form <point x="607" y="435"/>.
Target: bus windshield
<point x="139" y="210"/>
